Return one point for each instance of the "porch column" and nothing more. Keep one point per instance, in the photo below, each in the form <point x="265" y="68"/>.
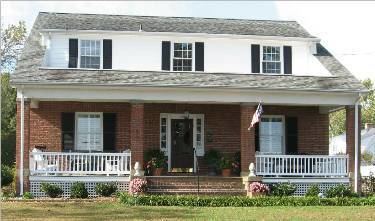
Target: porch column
<point x="353" y="144"/>
<point x="137" y="133"/>
<point x="22" y="145"/>
<point x="247" y="138"/>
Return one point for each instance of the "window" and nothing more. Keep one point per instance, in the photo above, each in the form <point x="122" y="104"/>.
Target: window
<point x="271" y="134"/>
<point x="271" y="60"/>
<point x="90" y="54"/>
<point x="89" y="132"/>
<point x="182" y="57"/>
<point x="163" y="134"/>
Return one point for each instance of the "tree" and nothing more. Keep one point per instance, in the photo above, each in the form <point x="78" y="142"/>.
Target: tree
<point x="337" y="119"/>
<point x="12" y="40"/>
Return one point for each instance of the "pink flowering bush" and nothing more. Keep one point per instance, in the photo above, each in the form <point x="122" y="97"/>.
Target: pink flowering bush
<point x="137" y="186"/>
<point x="257" y="187"/>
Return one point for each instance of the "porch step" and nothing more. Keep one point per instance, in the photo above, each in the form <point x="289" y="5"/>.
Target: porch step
<point x="189" y="185"/>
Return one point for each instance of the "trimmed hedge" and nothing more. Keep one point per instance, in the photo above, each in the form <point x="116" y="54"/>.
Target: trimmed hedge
<point x="239" y="201"/>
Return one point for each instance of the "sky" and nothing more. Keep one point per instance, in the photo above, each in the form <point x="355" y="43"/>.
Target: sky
<point x="345" y="28"/>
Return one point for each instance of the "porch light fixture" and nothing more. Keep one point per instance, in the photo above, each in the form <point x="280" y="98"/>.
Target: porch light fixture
<point x="187" y="114"/>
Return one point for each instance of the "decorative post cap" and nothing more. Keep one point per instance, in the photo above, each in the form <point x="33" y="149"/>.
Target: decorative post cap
<point x="137" y="169"/>
<point x="252" y="170"/>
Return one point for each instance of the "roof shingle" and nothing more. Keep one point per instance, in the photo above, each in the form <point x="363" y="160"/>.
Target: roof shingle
<point x="28" y="69"/>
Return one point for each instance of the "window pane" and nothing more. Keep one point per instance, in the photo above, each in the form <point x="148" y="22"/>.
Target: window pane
<point x="182" y="57"/>
<point x="89" y="132"/>
<point x="90" y="54"/>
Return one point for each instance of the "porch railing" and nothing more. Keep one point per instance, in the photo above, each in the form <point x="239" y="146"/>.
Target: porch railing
<point x="58" y="163"/>
<point x="302" y="165"/>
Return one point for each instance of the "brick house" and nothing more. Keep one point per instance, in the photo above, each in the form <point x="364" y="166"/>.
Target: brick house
<point x="95" y="92"/>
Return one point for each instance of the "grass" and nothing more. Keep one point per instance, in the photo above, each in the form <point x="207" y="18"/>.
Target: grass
<point x="116" y="211"/>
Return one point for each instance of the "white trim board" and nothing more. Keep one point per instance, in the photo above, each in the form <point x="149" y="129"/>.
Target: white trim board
<point x="81" y="178"/>
<point x="183" y="94"/>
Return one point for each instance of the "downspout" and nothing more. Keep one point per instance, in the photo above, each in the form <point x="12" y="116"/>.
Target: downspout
<point x="356" y="139"/>
<point x="22" y="139"/>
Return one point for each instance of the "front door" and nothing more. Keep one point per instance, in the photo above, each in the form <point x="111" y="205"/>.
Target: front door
<point x="182" y="152"/>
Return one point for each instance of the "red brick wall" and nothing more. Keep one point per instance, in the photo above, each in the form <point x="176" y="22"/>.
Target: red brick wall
<point x="221" y="121"/>
<point x="222" y="124"/>
<point x="350" y="140"/>
<point x="26" y="144"/>
<point x="313" y="127"/>
<point x="45" y="122"/>
<point x="137" y="135"/>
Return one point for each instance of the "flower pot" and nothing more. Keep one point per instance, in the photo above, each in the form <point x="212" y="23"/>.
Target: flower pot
<point x="255" y="194"/>
<point x="226" y="172"/>
<point x="157" y="171"/>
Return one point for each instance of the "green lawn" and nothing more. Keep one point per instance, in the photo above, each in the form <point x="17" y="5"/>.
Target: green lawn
<point x="116" y="211"/>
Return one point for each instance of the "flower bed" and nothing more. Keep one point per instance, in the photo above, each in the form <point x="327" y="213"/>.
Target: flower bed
<point x="240" y="201"/>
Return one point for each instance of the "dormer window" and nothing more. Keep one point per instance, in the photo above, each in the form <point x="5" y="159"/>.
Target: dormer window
<point x="182" y="57"/>
<point x="90" y="54"/>
<point x="271" y="63"/>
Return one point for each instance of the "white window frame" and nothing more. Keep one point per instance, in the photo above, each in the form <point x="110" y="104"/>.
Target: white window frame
<point x="281" y="58"/>
<point x="169" y="117"/>
<point x="283" y="132"/>
<point x="79" y="53"/>
<point x="192" y="55"/>
<point x="76" y="129"/>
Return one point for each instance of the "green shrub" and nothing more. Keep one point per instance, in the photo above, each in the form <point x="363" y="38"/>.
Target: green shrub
<point x="7" y="174"/>
<point x="313" y="191"/>
<point x="239" y="201"/>
<point x="27" y="196"/>
<point x="51" y="190"/>
<point x="105" y="189"/>
<point x="368" y="185"/>
<point x="79" y="190"/>
<point x="283" y="189"/>
<point x="8" y="191"/>
<point x="339" y="191"/>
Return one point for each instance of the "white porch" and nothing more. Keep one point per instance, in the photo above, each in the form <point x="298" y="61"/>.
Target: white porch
<point x="79" y="164"/>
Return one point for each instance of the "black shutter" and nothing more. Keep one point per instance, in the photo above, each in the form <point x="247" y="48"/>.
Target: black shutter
<point x="67" y="131"/>
<point x="287" y="59"/>
<point x="291" y="130"/>
<point x="109" y="132"/>
<point x="73" y="53"/>
<point x="255" y="58"/>
<point x="256" y="131"/>
<point x="199" y="56"/>
<point x="166" y="55"/>
<point x="107" y="54"/>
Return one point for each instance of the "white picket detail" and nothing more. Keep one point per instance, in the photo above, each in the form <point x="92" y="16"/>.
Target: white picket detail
<point x="59" y="163"/>
<point x="302" y="165"/>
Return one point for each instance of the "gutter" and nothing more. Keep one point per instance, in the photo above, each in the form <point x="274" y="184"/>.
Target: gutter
<point x="178" y="86"/>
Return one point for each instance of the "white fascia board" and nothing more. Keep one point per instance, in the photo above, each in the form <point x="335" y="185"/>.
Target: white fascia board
<point x="186" y="95"/>
<point x="177" y="34"/>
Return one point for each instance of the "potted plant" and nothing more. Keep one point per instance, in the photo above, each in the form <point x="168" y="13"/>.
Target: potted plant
<point x="156" y="162"/>
<point x="225" y="166"/>
<point x="257" y="189"/>
<point x="212" y="157"/>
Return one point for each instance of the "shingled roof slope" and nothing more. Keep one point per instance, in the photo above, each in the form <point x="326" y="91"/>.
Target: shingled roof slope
<point x="28" y="71"/>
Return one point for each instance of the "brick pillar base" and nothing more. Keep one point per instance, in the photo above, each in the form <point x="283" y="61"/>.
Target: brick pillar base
<point x="350" y="142"/>
<point x="137" y="133"/>
<point x="247" y="138"/>
<point x="26" y="147"/>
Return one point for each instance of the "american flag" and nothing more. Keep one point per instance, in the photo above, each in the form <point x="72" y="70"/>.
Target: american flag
<point x="256" y="117"/>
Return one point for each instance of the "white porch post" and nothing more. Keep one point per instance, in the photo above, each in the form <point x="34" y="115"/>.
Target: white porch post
<point x="356" y="146"/>
<point x="22" y="140"/>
